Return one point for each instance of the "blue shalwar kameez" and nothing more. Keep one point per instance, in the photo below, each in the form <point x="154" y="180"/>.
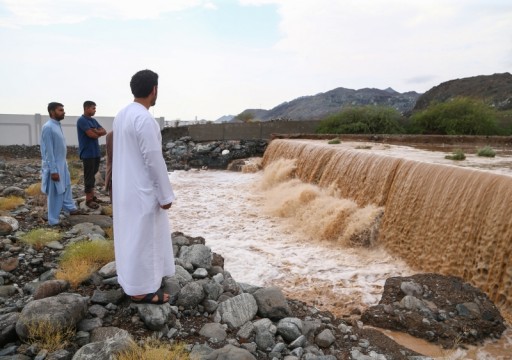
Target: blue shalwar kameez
<point x="53" y="153"/>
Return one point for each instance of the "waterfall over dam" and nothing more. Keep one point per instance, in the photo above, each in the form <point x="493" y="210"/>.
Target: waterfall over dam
<point x="438" y="218"/>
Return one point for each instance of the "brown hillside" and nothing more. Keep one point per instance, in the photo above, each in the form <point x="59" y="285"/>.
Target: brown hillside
<point x="494" y="89"/>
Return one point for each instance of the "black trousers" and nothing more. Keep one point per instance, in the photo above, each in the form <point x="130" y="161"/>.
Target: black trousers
<point x="91" y="167"/>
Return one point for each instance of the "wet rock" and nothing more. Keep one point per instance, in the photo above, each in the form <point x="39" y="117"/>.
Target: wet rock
<point x="411" y="288"/>
<point x="155" y="317"/>
<point x="325" y="338"/>
<point x="445" y="313"/>
<point x="86" y="228"/>
<point x="103" y="333"/>
<point x="5" y="228"/>
<point x="7" y="291"/>
<point x="265" y="331"/>
<point x="9" y="264"/>
<point x="108" y="271"/>
<point x="200" y="256"/>
<point x="50" y="288"/>
<point x="238" y="310"/>
<point x="230" y="352"/>
<point x="107" y="297"/>
<point x="87" y="325"/>
<point x="61" y="312"/>
<point x="98" y="311"/>
<point x="191" y="295"/>
<point x="8" y="327"/>
<point x="106" y="349"/>
<point x="290" y="328"/>
<point x="15" y="225"/>
<point x="213" y="331"/>
<point x="13" y="191"/>
<point x="272" y="303"/>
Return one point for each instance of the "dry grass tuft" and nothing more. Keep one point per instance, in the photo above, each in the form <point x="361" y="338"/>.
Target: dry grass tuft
<point x="11" y="202"/>
<point x="75" y="174"/>
<point x="156" y="350"/>
<point x="75" y="272"/>
<point x="48" y="336"/>
<point x="106" y="210"/>
<point x="80" y="260"/>
<point x="34" y="189"/>
<point x="109" y="232"/>
<point x="38" y="238"/>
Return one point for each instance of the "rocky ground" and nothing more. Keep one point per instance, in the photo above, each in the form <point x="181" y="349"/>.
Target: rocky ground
<point x="213" y="314"/>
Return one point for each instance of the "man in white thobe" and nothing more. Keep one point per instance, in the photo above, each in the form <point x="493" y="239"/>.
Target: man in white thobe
<point x="141" y="194"/>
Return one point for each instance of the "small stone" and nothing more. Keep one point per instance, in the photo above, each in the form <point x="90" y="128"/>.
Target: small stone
<point x="9" y="264"/>
<point x="55" y="245"/>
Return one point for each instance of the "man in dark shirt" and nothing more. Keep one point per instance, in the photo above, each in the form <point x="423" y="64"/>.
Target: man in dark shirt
<point x="89" y="130"/>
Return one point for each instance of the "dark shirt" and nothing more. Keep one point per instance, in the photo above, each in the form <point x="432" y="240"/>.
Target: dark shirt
<point x="88" y="147"/>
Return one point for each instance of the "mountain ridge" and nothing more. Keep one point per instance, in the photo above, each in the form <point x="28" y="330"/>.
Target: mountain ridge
<point x="495" y="89"/>
<point x="316" y="107"/>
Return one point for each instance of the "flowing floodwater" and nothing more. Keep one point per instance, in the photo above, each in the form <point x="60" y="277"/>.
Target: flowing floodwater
<point x="258" y="223"/>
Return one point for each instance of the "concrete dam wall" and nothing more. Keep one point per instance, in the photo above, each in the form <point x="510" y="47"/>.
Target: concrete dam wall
<point x="438" y="218"/>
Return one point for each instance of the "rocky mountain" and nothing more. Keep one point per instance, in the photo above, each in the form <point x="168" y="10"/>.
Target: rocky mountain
<point x="494" y="89"/>
<point x="225" y="118"/>
<point x="318" y="106"/>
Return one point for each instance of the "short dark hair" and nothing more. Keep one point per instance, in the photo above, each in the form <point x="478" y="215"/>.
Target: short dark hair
<point x="142" y="83"/>
<point x="88" y="104"/>
<point x="52" y="106"/>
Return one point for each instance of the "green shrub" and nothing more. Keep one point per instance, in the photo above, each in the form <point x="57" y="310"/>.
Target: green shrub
<point x="486" y="151"/>
<point x="156" y="350"/>
<point x="334" y="141"/>
<point x="362" y="120"/>
<point x="83" y="258"/>
<point x="38" y="238"/>
<point x="457" y="155"/>
<point x="460" y="116"/>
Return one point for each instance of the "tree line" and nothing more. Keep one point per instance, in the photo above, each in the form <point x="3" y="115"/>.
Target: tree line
<point x="459" y="116"/>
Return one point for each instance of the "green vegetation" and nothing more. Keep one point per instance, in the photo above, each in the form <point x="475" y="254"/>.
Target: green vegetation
<point x="11" y="202"/>
<point x="362" y="120"/>
<point x="245" y="116"/>
<point x="38" y="238"/>
<point x="47" y="335"/>
<point x="83" y="258"/>
<point x="334" y="141"/>
<point x="486" y="151"/>
<point x="34" y="189"/>
<point x="461" y="116"/>
<point x="457" y="155"/>
<point x="75" y="170"/>
<point x="155" y="350"/>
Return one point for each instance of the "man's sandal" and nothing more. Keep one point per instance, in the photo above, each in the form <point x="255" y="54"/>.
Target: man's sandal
<point x="91" y="204"/>
<point x="148" y="298"/>
<point x="96" y="200"/>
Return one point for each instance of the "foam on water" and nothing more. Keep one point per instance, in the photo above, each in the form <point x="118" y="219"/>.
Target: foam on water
<point x="271" y="230"/>
<point x="231" y="212"/>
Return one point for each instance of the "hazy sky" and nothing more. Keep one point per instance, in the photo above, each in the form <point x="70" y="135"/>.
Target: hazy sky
<point x="221" y="57"/>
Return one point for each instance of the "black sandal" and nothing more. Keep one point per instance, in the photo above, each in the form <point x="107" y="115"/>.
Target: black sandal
<point x="148" y="298"/>
<point x="91" y="204"/>
<point x="96" y="200"/>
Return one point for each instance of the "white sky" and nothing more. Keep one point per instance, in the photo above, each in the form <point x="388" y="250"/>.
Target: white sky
<point x="222" y="57"/>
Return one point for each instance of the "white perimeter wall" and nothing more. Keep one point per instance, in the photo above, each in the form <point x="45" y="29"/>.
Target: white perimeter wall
<point x="26" y="129"/>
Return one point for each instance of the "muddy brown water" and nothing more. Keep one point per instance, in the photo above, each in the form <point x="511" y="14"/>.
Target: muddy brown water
<point x="267" y="224"/>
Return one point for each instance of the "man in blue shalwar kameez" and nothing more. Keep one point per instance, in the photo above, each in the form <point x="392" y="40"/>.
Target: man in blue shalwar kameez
<point x="55" y="178"/>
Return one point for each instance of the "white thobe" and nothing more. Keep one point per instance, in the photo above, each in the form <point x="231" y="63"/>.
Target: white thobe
<point x="140" y="184"/>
